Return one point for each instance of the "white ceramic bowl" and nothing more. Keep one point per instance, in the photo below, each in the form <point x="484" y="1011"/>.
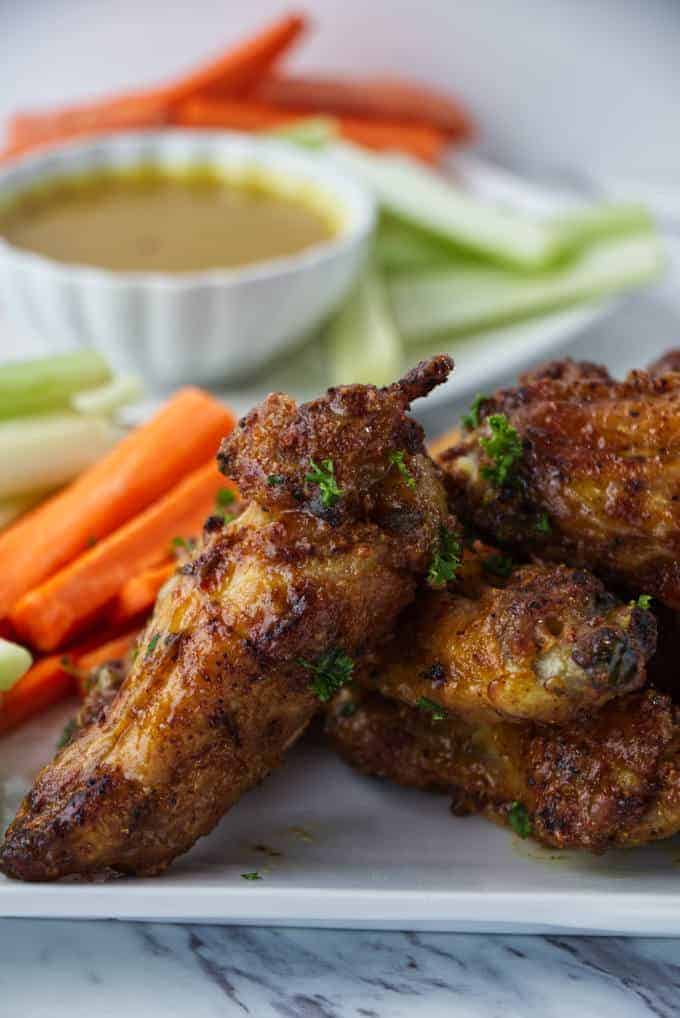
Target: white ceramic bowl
<point x="203" y="327"/>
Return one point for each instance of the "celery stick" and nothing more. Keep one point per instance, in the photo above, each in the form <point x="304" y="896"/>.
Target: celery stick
<point x="574" y="231"/>
<point x="104" y="400"/>
<point x="14" y="662"/>
<point x="46" y="451"/>
<point x="309" y="132"/>
<point x="460" y="300"/>
<point x="45" y="384"/>
<point x="362" y="342"/>
<point x="424" y="199"/>
<point x="399" y="248"/>
<point x="11" y="508"/>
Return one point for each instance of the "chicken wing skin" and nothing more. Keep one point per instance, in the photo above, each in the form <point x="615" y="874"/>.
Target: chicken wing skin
<point x="313" y="573"/>
<point x="610" y="780"/>
<point x="546" y="644"/>
<point x="576" y="467"/>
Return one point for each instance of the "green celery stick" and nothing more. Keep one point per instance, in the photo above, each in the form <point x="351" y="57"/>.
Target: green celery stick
<point x="102" y="401"/>
<point x="45" y="384"/>
<point x="14" y="662"/>
<point x="361" y="341"/>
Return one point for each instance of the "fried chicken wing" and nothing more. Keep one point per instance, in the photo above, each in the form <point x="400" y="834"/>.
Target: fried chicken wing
<point x="545" y="644"/>
<point x="669" y="362"/>
<point x="613" y="779"/>
<point x="578" y="468"/>
<point x="261" y="622"/>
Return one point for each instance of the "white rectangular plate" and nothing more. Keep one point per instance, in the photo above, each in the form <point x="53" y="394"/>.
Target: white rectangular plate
<point x="359" y="853"/>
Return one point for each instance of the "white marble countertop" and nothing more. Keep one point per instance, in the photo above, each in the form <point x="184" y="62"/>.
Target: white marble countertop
<point x="108" y="969"/>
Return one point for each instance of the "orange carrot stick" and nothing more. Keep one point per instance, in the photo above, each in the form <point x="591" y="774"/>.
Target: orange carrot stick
<point x="51" y="679"/>
<point x="142" y="467"/>
<point x="372" y="98"/>
<point x="416" y="139"/>
<point x="139" y="594"/>
<point x="233" y="72"/>
<point x="50" y="614"/>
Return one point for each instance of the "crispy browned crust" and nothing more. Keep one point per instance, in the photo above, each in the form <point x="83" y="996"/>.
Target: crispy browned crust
<point x="600" y="458"/>
<point x="666" y="364"/>
<point x="546" y="645"/>
<point x="613" y="779"/>
<point x="219" y="688"/>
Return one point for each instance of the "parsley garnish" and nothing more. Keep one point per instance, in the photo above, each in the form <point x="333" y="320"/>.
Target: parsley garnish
<point x="644" y="602"/>
<point x="324" y="476"/>
<point x="438" y="713"/>
<point x="396" y="458"/>
<point x="225" y="496"/>
<point x="498" y="565"/>
<point x="70" y="728"/>
<point x="446" y="559"/>
<point x="251" y="876"/>
<point x="331" y="672"/>
<point x="470" y="420"/>
<point x="503" y="446"/>
<point x="180" y="542"/>
<point x="542" y="525"/>
<point x="274" y="479"/>
<point x="152" y="644"/>
<point x="519" y="820"/>
<point x="348" y="709"/>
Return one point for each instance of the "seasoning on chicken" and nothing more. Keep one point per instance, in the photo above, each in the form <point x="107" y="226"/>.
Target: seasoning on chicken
<point x="266" y="619"/>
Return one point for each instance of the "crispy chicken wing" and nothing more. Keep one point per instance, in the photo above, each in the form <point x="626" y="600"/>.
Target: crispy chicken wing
<point x="263" y="620"/>
<point x="578" y="468"/>
<point x="613" y="779"/>
<point x="545" y="644"/>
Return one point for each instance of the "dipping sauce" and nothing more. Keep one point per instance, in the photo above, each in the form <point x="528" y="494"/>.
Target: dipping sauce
<point x="154" y="220"/>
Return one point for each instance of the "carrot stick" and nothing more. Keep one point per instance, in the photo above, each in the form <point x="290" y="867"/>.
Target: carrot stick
<point x="416" y="139"/>
<point x="145" y="465"/>
<point x="234" y="71"/>
<point x="51" y="613"/>
<point x="371" y="98"/>
<point x="139" y="594"/>
<point x="51" y="679"/>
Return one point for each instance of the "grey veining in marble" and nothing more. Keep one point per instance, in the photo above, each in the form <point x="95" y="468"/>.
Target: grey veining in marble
<point x="49" y="970"/>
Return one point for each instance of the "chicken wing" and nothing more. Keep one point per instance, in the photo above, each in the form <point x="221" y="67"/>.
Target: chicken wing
<point x="613" y="779"/>
<point x="578" y="468"/>
<point x="344" y="513"/>
<point x="545" y="644"/>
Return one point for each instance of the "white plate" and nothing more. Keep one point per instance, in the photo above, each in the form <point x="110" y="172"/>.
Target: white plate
<point x="361" y="853"/>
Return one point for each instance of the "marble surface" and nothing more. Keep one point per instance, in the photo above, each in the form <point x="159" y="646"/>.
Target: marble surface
<point x="111" y="970"/>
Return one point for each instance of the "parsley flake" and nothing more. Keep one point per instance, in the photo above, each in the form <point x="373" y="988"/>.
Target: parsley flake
<point x="70" y="729"/>
<point x="438" y="713"/>
<point x="396" y="458"/>
<point x="275" y="479"/>
<point x="224" y="497"/>
<point x="470" y="420"/>
<point x="152" y="644"/>
<point x="251" y="876"/>
<point x="332" y="671"/>
<point x="324" y="476"/>
<point x="644" y="602"/>
<point x="348" y="709"/>
<point x="504" y="447"/>
<point x="180" y="542"/>
<point x="498" y="565"/>
<point x="519" y="820"/>
<point x="542" y="525"/>
<point x="446" y="559"/>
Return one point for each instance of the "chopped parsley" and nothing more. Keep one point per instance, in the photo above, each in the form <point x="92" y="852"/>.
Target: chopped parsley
<point x="438" y="713"/>
<point x="542" y="525"/>
<point x="70" y="728"/>
<point x="519" y="820"/>
<point x="331" y="672"/>
<point x="152" y="644"/>
<point x="644" y="602"/>
<point x="498" y="565"/>
<point x="324" y="476"/>
<point x="180" y="542"/>
<point x="396" y="458"/>
<point x="224" y="497"/>
<point x="251" y="876"/>
<point x="275" y="479"/>
<point x="446" y="559"/>
<point x="504" y="447"/>
<point x="348" y="709"/>
<point x="470" y="420"/>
